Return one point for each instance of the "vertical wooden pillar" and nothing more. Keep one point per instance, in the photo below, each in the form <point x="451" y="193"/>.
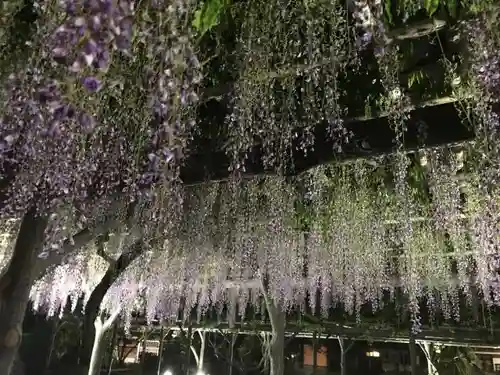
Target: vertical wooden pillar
<point x="413" y="354"/>
<point x="143" y="353"/>
<point x="190" y="342"/>
<point x="231" y="362"/>
<point x="160" y="352"/>
<point x="113" y="344"/>
<point x="342" y="356"/>
<point x="315" y="352"/>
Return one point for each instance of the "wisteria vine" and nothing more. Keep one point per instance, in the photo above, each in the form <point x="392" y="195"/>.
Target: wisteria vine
<point x="220" y="250"/>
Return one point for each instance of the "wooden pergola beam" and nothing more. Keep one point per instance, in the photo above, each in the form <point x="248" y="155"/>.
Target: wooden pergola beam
<point x="370" y="137"/>
<point x="450" y="336"/>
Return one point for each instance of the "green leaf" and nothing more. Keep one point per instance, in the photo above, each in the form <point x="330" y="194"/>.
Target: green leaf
<point x="387" y="11"/>
<point x="431" y="6"/>
<point x="452" y="8"/>
<point x="207" y="17"/>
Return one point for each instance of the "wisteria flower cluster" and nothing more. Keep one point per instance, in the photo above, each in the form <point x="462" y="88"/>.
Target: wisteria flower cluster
<point x="61" y="138"/>
<point x="44" y="124"/>
<point x="92" y="29"/>
<point x="368" y="15"/>
<point x="352" y="256"/>
<point x="37" y="160"/>
<point x="484" y="41"/>
<point x="173" y="89"/>
<point x="485" y="60"/>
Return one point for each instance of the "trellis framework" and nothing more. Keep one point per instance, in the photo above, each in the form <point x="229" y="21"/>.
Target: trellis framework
<point x="235" y="242"/>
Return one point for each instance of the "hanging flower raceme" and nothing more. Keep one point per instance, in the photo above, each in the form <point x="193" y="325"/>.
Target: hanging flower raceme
<point x="41" y="135"/>
<point x="485" y="60"/>
<point x="173" y="86"/>
<point x="368" y="15"/>
<point x="483" y="43"/>
<point x="225" y="248"/>
<point x="93" y="28"/>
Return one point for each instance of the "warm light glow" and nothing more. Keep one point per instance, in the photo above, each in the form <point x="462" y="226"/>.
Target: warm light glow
<point x="168" y="372"/>
<point x="373" y="354"/>
<point x="200" y="372"/>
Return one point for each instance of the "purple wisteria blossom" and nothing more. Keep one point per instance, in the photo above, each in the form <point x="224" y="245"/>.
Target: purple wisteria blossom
<point x="368" y="15"/>
<point x="92" y="84"/>
<point x="70" y="135"/>
<point x="92" y="30"/>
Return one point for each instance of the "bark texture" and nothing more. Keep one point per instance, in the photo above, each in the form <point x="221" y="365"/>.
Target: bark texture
<point x="94" y="302"/>
<point x="343" y="352"/>
<point x="278" y="322"/>
<point x="101" y="327"/>
<point x="15" y="285"/>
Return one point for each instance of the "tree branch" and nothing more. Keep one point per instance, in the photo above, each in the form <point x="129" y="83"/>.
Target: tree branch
<point x="108" y="322"/>
<point x="196" y="358"/>
<point x="79" y="240"/>
<point x="102" y="252"/>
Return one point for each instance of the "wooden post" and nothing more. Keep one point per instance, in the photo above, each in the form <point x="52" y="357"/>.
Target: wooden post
<point x="112" y="347"/>
<point x="201" y="356"/>
<point x="315" y="352"/>
<point x="143" y="353"/>
<point x="190" y="342"/>
<point x="160" y="352"/>
<point x="413" y="354"/>
<point x="233" y="342"/>
<point x="342" y="356"/>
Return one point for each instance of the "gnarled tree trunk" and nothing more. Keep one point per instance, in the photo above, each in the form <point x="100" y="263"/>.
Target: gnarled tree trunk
<point x="94" y="302"/>
<point x="15" y="285"/>
<point x="101" y="327"/>
<point x="278" y="322"/>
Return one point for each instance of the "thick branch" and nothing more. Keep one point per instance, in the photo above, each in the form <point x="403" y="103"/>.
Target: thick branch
<point x="94" y="302"/>
<point x="100" y="326"/>
<point x="278" y="323"/>
<point x="79" y="240"/>
<point x="100" y="241"/>
<point x="113" y="272"/>
<point x="369" y="138"/>
<point x="15" y="286"/>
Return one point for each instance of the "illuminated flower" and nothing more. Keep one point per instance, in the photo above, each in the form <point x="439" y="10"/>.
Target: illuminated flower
<point x="92" y="84"/>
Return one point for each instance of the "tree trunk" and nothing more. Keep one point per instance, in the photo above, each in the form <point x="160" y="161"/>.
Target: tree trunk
<point x="188" y="352"/>
<point x="55" y="329"/>
<point x="231" y="361"/>
<point x="15" y="286"/>
<point x="94" y="302"/>
<point x="343" y="353"/>
<point x="199" y="358"/>
<point x="278" y="322"/>
<point x="160" y="352"/>
<point x="101" y="327"/>
<point x="96" y="355"/>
